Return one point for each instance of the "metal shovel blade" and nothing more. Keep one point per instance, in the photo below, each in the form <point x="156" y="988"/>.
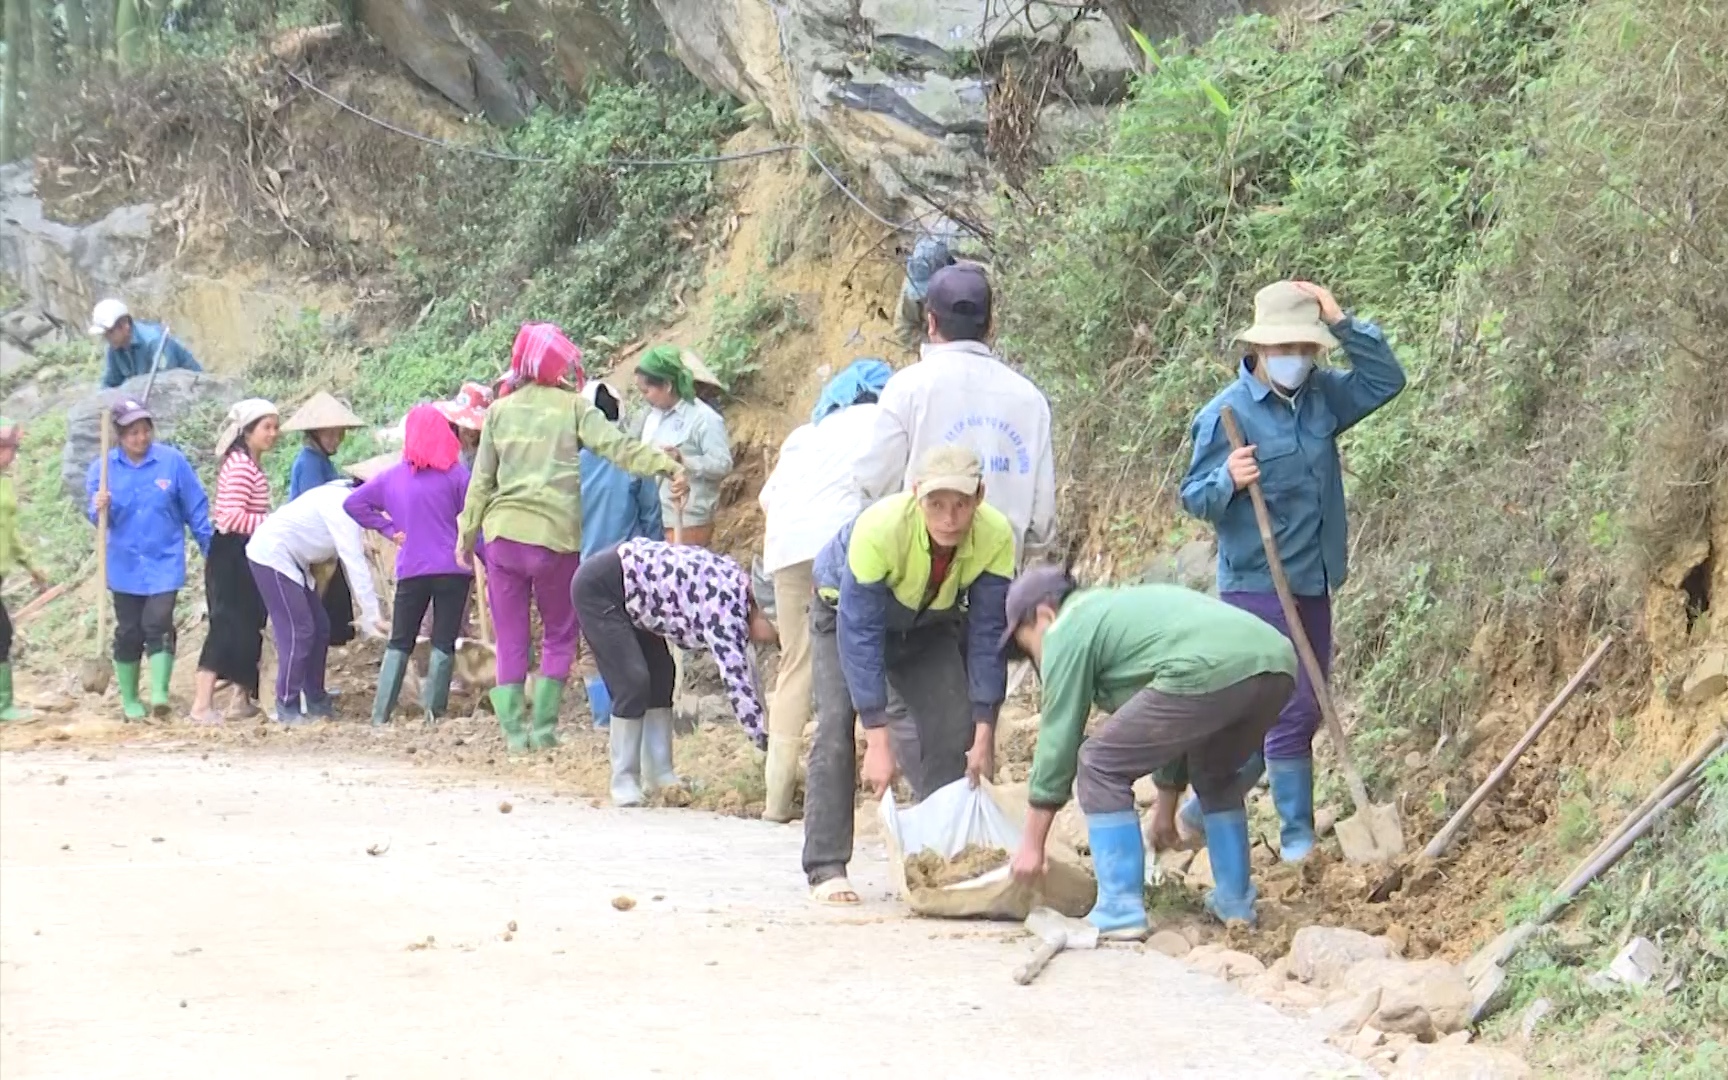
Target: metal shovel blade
<point x="94" y="674"/>
<point x="1372" y="834"/>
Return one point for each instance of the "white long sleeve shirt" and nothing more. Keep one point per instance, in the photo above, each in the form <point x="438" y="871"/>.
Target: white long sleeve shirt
<point x="960" y="392"/>
<point x="812" y="493"/>
<point x="312" y="529"/>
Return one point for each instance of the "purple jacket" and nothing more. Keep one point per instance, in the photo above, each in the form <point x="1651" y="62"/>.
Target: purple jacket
<point x="422" y="503"/>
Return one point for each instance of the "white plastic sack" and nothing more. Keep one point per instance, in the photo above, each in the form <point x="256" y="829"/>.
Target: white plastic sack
<point x="959" y="815"/>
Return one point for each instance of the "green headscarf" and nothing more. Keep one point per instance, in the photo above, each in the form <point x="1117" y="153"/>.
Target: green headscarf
<point x="664" y="362"/>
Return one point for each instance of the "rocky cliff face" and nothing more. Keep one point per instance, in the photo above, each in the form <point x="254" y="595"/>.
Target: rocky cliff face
<point x="925" y="95"/>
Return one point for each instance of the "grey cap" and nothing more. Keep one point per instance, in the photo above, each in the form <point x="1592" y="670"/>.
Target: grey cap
<point x="1036" y="585"/>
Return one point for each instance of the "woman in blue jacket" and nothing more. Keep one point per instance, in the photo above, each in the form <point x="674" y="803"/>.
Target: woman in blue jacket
<point x="153" y="499"/>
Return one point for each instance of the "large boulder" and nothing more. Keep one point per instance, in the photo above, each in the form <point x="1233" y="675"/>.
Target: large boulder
<point x="902" y="88"/>
<point x="61" y="268"/>
<point x="496" y="59"/>
<point x="189" y="403"/>
<point x="1322" y="955"/>
<point x="1418" y="997"/>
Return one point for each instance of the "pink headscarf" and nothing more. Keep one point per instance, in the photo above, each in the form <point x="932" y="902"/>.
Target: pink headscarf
<point x="544" y="355"/>
<point x="428" y="442"/>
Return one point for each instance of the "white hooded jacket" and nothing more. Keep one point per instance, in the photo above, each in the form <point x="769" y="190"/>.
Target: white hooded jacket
<point x="960" y="392"/>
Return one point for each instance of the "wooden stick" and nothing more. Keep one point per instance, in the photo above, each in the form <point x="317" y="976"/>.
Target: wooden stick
<point x="1299" y="633"/>
<point x="483" y="612"/>
<point x="1448" y="832"/>
<point x="1674" y="780"/>
<point x="48" y="596"/>
<point x="102" y="536"/>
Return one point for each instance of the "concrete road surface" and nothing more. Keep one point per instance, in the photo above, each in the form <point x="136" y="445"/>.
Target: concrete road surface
<point x="171" y="915"/>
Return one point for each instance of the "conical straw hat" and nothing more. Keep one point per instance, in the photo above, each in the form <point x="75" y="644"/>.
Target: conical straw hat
<point x="322" y="413"/>
<point x="698" y="370"/>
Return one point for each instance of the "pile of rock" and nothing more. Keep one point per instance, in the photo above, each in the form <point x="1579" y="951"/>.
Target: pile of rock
<point x="1405" y="1018"/>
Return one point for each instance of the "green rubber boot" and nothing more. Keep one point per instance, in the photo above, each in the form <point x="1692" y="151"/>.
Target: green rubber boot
<point x="435" y="689"/>
<point x="161" y="672"/>
<point x="7" y="710"/>
<point x="390" y="675"/>
<point x="548" y="695"/>
<point x="126" y="675"/>
<point x="507" y="703"/>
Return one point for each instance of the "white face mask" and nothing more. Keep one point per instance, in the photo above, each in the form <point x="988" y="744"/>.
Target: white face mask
<point x="1289" y="372"/>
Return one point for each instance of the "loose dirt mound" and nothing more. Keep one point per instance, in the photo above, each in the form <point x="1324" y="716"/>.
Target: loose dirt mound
<point x="928" y="870"/>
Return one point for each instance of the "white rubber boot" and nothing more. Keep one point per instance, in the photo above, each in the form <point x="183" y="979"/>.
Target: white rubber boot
<point x="626" y="746"/>
<point x="657" y="750"/>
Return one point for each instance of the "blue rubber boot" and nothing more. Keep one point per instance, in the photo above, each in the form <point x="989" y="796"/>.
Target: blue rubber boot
<point x="1293" y="794"/>
<point x="1119" y="860"/>
<point x="1191" y="820"/>
<point x="599" y="701"/>
<point x="1232" y="898"/>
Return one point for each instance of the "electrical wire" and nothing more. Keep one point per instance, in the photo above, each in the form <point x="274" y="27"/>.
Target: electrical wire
<point x="636" y="163"/>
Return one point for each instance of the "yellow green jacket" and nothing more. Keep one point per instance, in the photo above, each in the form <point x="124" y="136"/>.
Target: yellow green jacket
<point x="877" y="571"/>
<point x="527" y="483"/>
<point x="12" y="553"/>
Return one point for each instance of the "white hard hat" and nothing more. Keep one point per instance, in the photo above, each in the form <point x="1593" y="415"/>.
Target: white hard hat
<point x="107" y="313"/>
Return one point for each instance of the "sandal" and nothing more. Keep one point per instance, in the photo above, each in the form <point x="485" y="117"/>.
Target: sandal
<point x="208" y="718"/>
<point x="836" y="892"/>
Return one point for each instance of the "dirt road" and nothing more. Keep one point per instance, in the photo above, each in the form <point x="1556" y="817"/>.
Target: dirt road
<point x="195" y="914"/>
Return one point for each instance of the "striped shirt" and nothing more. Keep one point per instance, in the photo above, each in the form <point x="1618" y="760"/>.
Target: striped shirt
<point x="242" y="495"/>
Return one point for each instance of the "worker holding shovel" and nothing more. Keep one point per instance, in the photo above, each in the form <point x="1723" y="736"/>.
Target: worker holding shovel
<point x="1291" y="409"/>
<point x="13" y="556"/>
<point x="1184" y="678"/>
<point x="152" y="498"/>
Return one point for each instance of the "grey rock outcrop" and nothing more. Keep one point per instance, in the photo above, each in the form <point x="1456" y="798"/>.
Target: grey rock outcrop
<point x="61" y="268"/>
<point x="187" y="402"/>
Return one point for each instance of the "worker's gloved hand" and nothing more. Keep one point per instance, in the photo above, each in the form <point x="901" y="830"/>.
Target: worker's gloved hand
<point x="1244" y="470"/>
<point x="879" y="763"/>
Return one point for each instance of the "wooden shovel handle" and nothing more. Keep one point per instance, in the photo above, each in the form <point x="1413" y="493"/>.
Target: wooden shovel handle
<point x="1298" y="633"/>
<point x="1028" y="971"/>
<point x="107" y="425"/>
<point x="483" y="613"/>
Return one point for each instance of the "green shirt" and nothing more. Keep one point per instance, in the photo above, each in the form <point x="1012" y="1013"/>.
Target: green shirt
<point x="1107" y="645"/>
<point x="527" y="483"/>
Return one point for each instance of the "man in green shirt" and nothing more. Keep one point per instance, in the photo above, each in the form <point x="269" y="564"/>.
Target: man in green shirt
<point x="1183" y="677"/>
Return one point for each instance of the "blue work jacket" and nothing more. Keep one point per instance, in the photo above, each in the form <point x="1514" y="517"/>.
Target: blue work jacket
<point x="1296" y="446"/>
<point x="312" y="468"/>
<point x="616" y="506"/>
<point x="152" y="504"/>
<point x="135" y="359"/>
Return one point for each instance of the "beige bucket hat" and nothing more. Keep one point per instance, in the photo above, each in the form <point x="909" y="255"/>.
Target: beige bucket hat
<point x="1285" y="315"/>
<point x="323" y="413"/>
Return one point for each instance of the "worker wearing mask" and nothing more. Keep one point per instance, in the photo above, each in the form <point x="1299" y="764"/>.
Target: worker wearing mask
<point x="1291" y="408"/>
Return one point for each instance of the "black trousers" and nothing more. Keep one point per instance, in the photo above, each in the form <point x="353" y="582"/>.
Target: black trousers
<point x="5" y="633"/>
<point x="235" y="644"/>
<point x="635" y="664"/>
<point x="143" y="624"/>
<point x="339" y="606"/>
<point x="446" y="594"/>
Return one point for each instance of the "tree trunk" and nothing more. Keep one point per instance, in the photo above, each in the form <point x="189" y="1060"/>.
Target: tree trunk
<point x="12" y="93"/>
<point x="42" y="69"/>
<point x="77" y="30"/>
<point x="128" y="34"/>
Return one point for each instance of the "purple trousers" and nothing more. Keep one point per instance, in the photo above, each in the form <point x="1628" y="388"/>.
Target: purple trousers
<point x="302" y="633"/>
<point x="524" y="576"/>
<point x="1293" y="735"/>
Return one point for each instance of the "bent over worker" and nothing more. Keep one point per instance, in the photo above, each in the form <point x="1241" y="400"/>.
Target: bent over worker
<point x="153" y="500"/>
<point x="888" y="614"/>
<point x="134" y="346"/>
<point x="1291" y="411"/>
<point x="1184" y="677"/>
<point x="632" y="600"/>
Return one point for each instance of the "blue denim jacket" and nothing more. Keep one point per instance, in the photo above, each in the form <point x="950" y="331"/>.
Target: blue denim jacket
<point x="1296" y="446"/>
<point x="616" y="506"/>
